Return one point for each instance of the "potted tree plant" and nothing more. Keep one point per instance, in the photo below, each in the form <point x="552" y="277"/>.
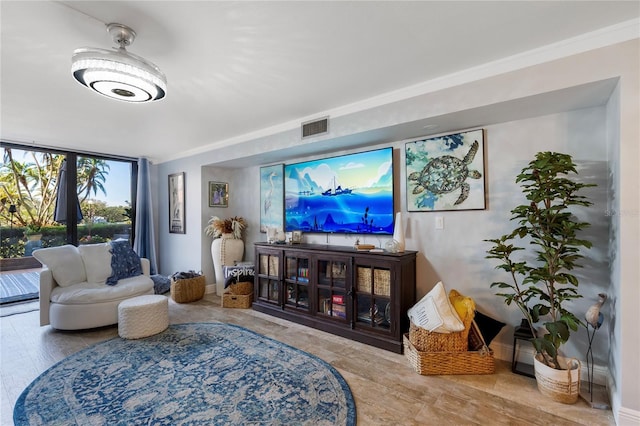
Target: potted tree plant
<point x="541" y="280"/>
<point x="33" y="232"/>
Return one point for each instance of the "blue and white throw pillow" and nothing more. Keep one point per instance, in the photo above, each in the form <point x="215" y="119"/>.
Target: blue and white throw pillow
<point x="125" y="262"/>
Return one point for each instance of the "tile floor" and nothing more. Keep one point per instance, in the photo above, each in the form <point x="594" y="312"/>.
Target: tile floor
<point x="386" y="390"/>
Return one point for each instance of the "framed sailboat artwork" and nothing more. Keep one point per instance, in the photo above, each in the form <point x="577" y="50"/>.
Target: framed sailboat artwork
<point x="348" y="194"/>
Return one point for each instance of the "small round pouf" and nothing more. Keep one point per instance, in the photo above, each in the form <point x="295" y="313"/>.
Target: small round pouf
<point x="143" y="316"/>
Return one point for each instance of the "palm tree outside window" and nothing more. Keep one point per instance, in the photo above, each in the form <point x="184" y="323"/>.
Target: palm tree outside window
<point x="104" y="187"/>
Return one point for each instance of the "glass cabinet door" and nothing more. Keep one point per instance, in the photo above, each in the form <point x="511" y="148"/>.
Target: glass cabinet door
<point x="296" y="282"/>
<point x="333" y="296"/>
<point x="373" y="297"/>
<point x="269" y="277"/>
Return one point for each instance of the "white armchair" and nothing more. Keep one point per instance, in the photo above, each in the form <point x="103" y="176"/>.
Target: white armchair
<point x="73" y="293"/>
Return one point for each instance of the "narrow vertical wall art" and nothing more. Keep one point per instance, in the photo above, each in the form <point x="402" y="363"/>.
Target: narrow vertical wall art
<point x="176" y="204"/>
<point x="272" y="197"/>
<point x="446" y="172"/>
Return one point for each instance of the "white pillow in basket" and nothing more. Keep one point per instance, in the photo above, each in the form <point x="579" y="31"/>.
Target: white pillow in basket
<point x="435" y="313"/>
<point x="64" y="262"/>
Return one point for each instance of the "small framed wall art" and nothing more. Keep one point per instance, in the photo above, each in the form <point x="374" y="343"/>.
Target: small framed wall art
<point x="446" y="172"/>
<point x="176" y="204"/>
<point x="218" y="194"/>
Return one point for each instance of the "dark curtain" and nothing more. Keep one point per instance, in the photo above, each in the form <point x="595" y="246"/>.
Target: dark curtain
<point x="145" y="242"/>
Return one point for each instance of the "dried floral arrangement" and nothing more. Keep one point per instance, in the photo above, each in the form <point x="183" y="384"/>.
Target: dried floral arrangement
<point x="232" y="225"/>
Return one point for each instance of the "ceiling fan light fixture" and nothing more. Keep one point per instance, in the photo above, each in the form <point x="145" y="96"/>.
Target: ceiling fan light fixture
<point x="117" y="73"/>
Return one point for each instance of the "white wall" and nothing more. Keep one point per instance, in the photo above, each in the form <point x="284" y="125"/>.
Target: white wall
<point x="628" y="218"/>
<point x="613" y="177"/>
<point x="180" y="252"/>
<point x="456" y="254"/>
<point x="244" y="190"/>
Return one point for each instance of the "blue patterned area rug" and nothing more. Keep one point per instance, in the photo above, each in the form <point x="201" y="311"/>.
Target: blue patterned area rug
<point x="19" y="286"/>
<point x="196" y="374"/>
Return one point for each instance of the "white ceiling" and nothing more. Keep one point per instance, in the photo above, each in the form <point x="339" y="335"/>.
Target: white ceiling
<point x="238" y="68"/>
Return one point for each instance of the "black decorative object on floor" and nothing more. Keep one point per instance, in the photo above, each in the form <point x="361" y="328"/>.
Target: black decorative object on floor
<point x="522" y="332"/>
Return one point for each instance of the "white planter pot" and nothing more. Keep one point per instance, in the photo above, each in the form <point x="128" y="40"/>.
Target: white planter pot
<point x="560" y="385"/>
<point x="225" y="251"/>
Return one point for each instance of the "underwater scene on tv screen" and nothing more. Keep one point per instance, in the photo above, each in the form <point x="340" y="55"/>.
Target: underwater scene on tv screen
<point x="347" y="194"/>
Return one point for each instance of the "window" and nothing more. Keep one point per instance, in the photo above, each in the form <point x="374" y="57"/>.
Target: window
<point x="104" y="193"/>
<point x="63" y="197"/>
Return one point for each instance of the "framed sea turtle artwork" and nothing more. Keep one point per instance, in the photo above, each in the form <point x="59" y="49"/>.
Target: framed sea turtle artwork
<point x="446" y="172"/>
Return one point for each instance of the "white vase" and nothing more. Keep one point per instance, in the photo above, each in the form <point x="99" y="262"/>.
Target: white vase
<point x="225" y="251"/>
<point x="271" y="234"/>
<point x="398" y="233"/>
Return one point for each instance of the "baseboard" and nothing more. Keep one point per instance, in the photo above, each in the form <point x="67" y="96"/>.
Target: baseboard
<point x="504" y="352"/>
<point x="628" y="417"/>
<point x="623" y="416"/>
<point x="501" y="351"/>
<point x="210" y="289"/>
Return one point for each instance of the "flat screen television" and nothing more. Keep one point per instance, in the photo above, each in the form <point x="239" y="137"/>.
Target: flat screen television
<point x="349" y="194"/>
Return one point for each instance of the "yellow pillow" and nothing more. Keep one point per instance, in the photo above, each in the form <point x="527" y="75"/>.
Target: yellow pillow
<point x="464" y="306"/>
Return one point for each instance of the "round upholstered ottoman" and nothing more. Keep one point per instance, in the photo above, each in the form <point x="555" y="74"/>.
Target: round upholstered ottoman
<point x="143" y="316"/>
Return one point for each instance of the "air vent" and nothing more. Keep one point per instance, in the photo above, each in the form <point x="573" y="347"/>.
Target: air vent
<point x="315" y="127"/>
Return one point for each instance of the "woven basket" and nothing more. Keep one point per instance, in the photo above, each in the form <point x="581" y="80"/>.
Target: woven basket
<point x="242" y="288"/>
<point x="364" y="279"/>
<point x="268" y="265"/>
<point x="188" y="289"/>
<point x="427" y="341"/>
<point x="382" y="282"/>
<point x="559" y="385"/>
<point x="440" y="363"/>
<point x="237" y="300"/>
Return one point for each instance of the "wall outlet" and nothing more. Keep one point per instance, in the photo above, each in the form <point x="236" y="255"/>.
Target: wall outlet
<point x="439" y="222"/>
